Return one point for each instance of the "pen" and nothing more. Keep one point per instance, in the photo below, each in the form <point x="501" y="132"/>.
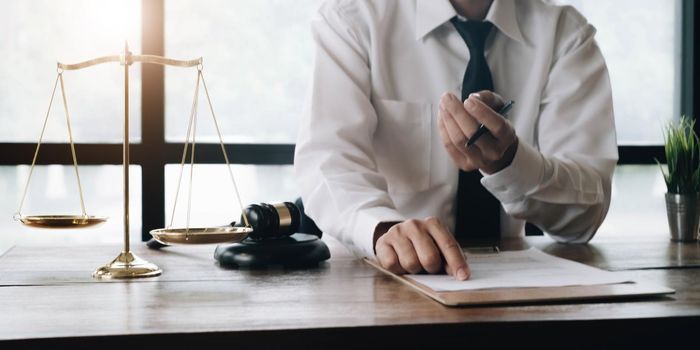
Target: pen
<point x="482" y="129"/>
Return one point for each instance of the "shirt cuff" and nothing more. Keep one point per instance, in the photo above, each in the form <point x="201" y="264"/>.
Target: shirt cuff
<point x="365" y="224"/>
<point x="521" y="177"/>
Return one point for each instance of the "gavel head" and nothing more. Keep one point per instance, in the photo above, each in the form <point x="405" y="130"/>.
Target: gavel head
<point x="270" y="221"/>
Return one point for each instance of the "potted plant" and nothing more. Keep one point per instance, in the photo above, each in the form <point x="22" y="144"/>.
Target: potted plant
<point x="682" y="179"/>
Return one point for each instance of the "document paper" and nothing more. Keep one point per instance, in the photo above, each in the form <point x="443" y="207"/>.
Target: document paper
<point x="516" y="269"/>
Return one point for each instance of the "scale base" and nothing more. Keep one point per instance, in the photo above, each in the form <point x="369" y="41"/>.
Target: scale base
<point x="297" y="250"/>
<point x="126" y="266"/>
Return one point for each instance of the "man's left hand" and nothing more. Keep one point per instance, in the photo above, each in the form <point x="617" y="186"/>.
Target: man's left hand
<point x="458" y="121"/>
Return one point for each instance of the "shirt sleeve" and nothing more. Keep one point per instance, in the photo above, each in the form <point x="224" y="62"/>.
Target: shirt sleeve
<point x="562" y="183"/>
<point x="334" y="160"/>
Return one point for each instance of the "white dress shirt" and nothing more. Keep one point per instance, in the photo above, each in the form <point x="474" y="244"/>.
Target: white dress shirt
<point x="369" y="150"/>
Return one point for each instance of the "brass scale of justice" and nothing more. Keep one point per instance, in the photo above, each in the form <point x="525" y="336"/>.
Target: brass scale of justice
<point x="127" y="265"/>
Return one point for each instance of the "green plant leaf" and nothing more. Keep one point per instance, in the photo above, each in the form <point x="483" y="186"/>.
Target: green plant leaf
<point x="682" y="150"/>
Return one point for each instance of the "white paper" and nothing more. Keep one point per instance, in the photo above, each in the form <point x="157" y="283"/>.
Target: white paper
<point x="523" y="268"/>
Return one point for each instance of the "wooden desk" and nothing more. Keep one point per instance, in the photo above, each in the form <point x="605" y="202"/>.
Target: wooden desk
<point x="624" y="252"/>
<point x="344" y="303"/>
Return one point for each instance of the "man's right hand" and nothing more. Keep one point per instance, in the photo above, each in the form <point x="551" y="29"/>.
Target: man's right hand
<point x="415" y="246"/>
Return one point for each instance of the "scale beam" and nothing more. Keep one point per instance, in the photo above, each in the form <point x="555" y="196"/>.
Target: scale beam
<point x="130" y="59"/>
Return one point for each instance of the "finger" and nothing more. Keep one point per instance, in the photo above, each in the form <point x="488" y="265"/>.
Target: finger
<point x="489" y="148"/>
<point x="494" y="122"/>
<point x="408" y="259"/>
<point x="466" y="123"/>
<point x="465" y="159"/>
<point x="491" y="99"/>
<point x="449" y="247"/>
<point x="493" y="149"/>
<point x="447" y="139"/>
<point x="388" y="259"/>
<point x="456" y="136"/>
<point x="476" y="155"/>
<point x="457" y="156"/>
<point x="428" y="253"/>
<point x="458" y="140"/>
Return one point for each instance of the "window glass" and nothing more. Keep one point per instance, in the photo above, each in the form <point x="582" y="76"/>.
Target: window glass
<point x="640" y="40"/>
<point x="54" y="190"/>
<point x="34" y="35"/>
<point x="638" y="207"/>
<point x="257" y="65"/>
<point x="214" y="201"/>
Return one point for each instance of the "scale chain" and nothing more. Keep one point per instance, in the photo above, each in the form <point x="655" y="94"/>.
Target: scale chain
<point x="59" y="78"/>
<point x="223" y="149"/>
<point x="72" y="145"/>
<point x="191" y="132"/>
<point x="38" y="145"/>
<point x="194" y="143"/>
<point x="184" y="152"/>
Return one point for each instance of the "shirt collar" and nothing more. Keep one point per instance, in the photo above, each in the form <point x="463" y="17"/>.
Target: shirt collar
<point x="431" y="14"/>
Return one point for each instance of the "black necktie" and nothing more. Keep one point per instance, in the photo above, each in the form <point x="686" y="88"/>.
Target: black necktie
<point x="478" y="211"/>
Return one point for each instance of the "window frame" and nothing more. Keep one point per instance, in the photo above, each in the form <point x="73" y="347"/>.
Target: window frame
<point x="153" y="152"/>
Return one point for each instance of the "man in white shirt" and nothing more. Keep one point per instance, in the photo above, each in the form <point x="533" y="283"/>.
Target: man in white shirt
<point x="383" y="141"/>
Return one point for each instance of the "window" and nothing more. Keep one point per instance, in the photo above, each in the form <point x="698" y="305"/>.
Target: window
<point x="258" y="57"/>
<point x="43" y="32"/>
<point x="213" y="197"/>
<point x="645" y="74"/>
<point x="257" y="62"/>
<point x="53" y="190"/>
<point x="35" y="35"/>
<point x="638" y="207"/>
<point x="641" y="44"/>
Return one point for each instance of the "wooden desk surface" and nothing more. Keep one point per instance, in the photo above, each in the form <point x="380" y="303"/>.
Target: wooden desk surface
<point x="47" y="297"/>
<point x="624" y="252"/>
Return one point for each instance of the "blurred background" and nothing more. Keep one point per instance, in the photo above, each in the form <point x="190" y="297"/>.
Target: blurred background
<point x="257" y="63"/>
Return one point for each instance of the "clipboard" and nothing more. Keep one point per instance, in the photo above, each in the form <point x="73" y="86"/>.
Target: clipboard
<point x="539" y="295"/>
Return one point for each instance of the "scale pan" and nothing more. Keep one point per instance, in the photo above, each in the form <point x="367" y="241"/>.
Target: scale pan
<point x="209" y="235"/>
<point x="61" y="221"/>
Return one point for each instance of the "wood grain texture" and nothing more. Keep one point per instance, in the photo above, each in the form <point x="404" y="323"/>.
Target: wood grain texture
<point x="49" y="299"/>
<point x="624" y="252"/>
